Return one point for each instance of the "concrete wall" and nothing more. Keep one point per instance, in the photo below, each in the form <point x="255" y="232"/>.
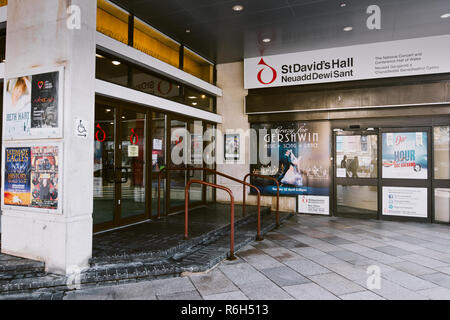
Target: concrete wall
<point x="230" y="77"/>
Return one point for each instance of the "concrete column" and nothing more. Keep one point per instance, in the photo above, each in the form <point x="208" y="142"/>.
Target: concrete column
<point x="38" y="36"/>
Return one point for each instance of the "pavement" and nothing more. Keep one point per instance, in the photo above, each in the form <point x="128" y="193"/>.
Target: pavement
<point x="314" y="258"/>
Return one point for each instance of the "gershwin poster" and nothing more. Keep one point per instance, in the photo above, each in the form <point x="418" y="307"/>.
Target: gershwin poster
<point x="31" y="106"/>
<point x="17" y="176"/>
<point x="31" y="177"/>
<point x="304" y="158"/>
<point x="405" y="155"/>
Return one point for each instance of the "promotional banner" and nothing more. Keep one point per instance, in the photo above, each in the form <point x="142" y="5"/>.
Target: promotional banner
<point x="44" y="175"/>
<point x="31" y="177"/>
<point x="31" y="106"/>
<point x="304" y="158"/>
<point x="17" y="176"/>
<point x="405" y="155"/>
<point x="406" y="202"/>
<point x="368" y="61"/>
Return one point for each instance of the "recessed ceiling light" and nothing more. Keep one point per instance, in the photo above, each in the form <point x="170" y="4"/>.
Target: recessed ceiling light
<point x="188" y="30"/>
<point x="238" y="8"/>
<point x="445" y="16"/>
<point x="116" y="63"/>
<point x="192" y="97"/>
<point x="108" y="110"/>
<point x="347" y="29"/>
<point x="343" y="5"/>
<point x="266" y="40"/>
<point x="99" y="56"/>
<point x="194" y="103"/>
<point x="203" y="96"/>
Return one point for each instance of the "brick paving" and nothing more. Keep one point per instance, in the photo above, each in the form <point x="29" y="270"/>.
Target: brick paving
<point x="314" y="258"/>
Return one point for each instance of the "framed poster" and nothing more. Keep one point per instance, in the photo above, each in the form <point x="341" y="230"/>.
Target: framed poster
<point x="32" y="105"/>
<point x="405" y="202"/>
<point x="32" y="175"/>
<point x="232" y="147"/>
<point x="405" y="155"/>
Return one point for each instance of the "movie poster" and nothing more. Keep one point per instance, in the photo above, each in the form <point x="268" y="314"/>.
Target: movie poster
<point x="304" y="158"/>
<point x="31" y="105"/>
<point x="17" y="176"/>
<point x="405" y="155"/>
<point x="44" y="177"/>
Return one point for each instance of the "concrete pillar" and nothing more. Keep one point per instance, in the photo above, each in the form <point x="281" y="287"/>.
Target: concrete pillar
<point x="38" y="35"/>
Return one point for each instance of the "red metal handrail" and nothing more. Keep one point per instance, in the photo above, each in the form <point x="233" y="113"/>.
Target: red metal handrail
<point x="186" y="212"/>
<point x="278" y="193"/>
<point x="258" y="237"/>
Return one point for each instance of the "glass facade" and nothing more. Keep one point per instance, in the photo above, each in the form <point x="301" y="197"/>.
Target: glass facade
<point x="155" y="44"/>
<point x="114" y="22"/>
<point x="442" y="152"/>
<point x="357" y="156"/>
<point x="120" y="72"/>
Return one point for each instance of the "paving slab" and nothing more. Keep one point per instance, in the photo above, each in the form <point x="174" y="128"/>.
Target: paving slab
<point x="310" y="291"/>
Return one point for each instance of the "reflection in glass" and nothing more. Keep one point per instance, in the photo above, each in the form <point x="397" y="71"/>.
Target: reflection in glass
<point x="357" y="199"/>
<point x="442" y="152"/>
<point x="442" y="205"/>
<point x="178" y="179"/>
<point x="104" y="164"/>
<point x="357" y="156"/>
<point x="159" y="124"/>
<point x="133" y="142"/>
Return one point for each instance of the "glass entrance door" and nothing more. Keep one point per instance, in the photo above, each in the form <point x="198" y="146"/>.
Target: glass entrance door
<point x="120" y="167"/>
<point x="356" y="174"/>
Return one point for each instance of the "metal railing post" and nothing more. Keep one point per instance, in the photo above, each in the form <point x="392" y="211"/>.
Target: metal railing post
<point x="186" y="212"/>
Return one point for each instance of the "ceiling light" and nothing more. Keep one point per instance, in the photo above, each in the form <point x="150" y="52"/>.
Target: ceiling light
<point x="343" y="5"/>
<point x="192" y="97"/>
<point x="203" y="96"/>
<point x="99" y="56"/>
<point x="445" y="16"/>
<point x="108" y="110"/>
<point x="194" y="103"/>
<point x="238" y="8"/>
<point x="116" y="63"/>
<point x="188" y="30"/>
<point x="266" y="40"/>
<point x="347" y="29"/>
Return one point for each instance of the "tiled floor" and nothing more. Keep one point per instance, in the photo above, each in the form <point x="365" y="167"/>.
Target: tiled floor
<point x="316" y="258"/>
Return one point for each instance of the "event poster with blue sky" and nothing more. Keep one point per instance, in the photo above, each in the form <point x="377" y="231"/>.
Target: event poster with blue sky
<point x="405" y="155"/>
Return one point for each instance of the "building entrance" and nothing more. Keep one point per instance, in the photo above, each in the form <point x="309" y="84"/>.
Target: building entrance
<point x="121" y="166"/>
<point x="387" y="173"/>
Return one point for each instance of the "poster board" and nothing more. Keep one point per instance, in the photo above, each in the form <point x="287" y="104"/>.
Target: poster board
<point x="405" y="202"/>
<point x="33" y="105"/>
<point x="405" y="155"/>
<point x="32" y="175"/>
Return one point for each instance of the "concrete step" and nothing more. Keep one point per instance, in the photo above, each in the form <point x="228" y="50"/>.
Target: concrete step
<point x="17" y="268"/>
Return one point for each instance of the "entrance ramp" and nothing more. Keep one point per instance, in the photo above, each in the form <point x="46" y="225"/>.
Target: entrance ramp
<point x="152" y="249"/>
